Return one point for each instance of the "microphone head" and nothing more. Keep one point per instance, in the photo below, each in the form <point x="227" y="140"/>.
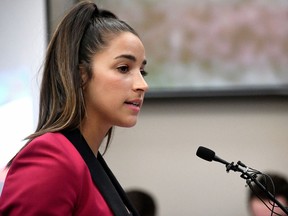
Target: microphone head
<point x="205" y="153"/>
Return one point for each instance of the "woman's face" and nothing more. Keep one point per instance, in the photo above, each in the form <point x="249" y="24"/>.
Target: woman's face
<point x="115" y="93"/>
<point x="259" y="209"/>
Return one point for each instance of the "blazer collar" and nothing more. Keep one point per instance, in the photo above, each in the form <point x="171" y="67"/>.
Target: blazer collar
<point x="102" y="176"/>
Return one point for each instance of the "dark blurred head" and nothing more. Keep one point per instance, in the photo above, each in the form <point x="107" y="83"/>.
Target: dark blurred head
<point x="280" y="184"/>
<point x="280" y="190"/>
<point x="143" y="202"/>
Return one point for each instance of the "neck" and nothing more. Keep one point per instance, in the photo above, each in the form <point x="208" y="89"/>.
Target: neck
<point x="93" y="135"/>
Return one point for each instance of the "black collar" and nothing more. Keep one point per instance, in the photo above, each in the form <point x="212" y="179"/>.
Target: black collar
<point x="102" y="176"/>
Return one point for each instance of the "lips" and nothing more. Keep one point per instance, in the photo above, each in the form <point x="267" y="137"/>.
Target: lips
<point x="136" y="103"/>
<point x="133" y="103"/>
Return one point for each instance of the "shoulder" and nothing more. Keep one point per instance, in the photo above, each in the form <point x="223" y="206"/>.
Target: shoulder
<point x="51" y="141"/>
<point x="54" y="145"/>
<point x="48" y="171"/>
<point x="52" y="152"/>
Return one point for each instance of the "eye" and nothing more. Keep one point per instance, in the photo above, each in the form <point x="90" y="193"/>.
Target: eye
<point x="123" y="69"/>
<point x="144" y="73"/>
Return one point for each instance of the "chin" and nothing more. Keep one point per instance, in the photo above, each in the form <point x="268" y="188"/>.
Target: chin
<point x="128" y="124"/>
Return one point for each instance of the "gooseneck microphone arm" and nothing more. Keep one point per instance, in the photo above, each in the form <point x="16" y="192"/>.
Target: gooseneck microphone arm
<point x="249" y="174"/>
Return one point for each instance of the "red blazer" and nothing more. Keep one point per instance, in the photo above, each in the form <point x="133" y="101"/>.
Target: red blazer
<point x="49" y="177"/>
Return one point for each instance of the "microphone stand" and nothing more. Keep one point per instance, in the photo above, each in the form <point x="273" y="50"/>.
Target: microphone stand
<point x="240" y="167"/>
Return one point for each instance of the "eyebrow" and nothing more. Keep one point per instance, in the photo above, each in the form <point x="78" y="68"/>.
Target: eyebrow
<point x="130" y="57"/>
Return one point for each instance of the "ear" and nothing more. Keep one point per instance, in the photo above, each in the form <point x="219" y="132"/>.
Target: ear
<point x="83" y="74"/>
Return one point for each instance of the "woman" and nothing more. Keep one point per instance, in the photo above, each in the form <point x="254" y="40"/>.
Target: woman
<point x="92" y="81"/>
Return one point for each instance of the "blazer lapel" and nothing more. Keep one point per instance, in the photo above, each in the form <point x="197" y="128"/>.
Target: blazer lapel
<point x="102" y="176"/>
<point x="117" y="186"/>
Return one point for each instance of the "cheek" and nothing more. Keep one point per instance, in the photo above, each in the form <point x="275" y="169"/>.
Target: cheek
<point x="113" y="85"/>
<point x="259" y="209"/>
<point x="107" y="90"/>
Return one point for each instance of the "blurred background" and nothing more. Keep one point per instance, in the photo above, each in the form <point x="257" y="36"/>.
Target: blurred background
<point x="158" y="155"/>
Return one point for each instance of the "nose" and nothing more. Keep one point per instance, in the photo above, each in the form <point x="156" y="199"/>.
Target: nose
<point x="139" y="83"/>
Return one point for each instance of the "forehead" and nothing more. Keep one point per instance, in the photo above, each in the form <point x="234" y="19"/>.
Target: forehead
<point x="125" y="42"/>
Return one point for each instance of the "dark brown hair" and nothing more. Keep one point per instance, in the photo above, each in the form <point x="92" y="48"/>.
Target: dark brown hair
<point x="275" y="183"/>
<point x="84" y="31"/>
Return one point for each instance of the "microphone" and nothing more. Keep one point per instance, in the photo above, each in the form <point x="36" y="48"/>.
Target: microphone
<point x="209" y="155"/>
<point x="247" y="173"/>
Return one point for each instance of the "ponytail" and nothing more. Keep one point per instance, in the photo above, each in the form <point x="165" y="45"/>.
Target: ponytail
<point x="84" y="31"/>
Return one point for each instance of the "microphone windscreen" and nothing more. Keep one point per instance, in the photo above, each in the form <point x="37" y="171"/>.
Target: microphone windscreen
<point x="205" y="153"/>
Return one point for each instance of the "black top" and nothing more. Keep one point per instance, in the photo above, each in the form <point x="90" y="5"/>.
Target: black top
<point x="102" y="176"/>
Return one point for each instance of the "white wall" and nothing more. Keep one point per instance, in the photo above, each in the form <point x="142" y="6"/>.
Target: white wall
<point x="22" y="45"/>
<point x="158" y="154"/>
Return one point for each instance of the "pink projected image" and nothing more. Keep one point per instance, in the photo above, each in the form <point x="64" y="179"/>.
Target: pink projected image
<point x="200" y="45"/>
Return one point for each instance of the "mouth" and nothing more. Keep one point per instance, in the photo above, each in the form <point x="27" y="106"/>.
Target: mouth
<point x="135" y="103"/>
